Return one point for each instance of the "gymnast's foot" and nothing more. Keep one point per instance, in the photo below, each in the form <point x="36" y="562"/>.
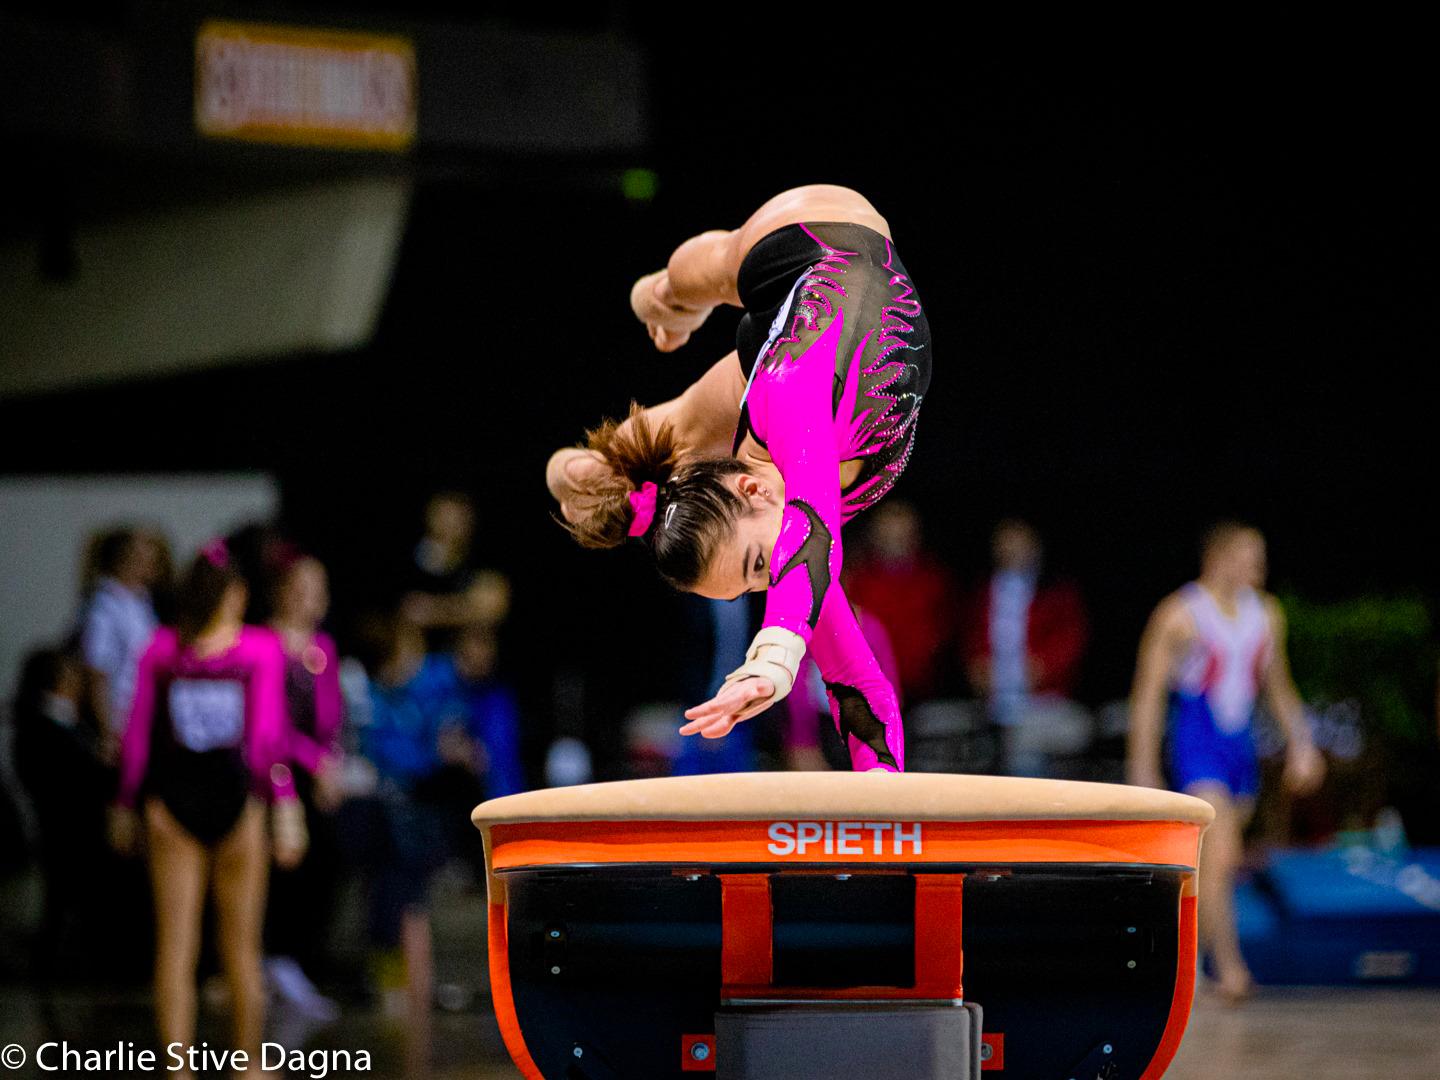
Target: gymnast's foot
<point x="1232" y="983"/>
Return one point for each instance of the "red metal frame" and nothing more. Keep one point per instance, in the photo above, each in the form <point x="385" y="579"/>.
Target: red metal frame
<point x="995" y="1040"/>
<point x="747" y="929"/>
<point x="1184" y="995"/>
<point x="503" y="997"/>
<point x="688" y="1061"/>
<point x="747" y="944"/>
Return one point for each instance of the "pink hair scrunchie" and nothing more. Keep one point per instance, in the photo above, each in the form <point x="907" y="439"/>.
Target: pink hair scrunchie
<point x="643" y="503"/>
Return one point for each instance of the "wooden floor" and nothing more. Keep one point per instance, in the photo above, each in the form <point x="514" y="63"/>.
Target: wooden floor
<point x="1286" y="1035"/>
<point x="1304" y="1034"/>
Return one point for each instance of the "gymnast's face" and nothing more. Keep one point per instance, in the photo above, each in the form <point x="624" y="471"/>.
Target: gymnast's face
<point x="740" y="563"/>
<point x="1239" y="560"/>
<point x="304" y="596"/>
<point x="1246" y="556"/>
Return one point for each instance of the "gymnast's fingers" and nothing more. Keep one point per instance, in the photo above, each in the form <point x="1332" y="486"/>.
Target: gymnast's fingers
<point x="711" y="728"/>
<point x="715" y="711"/>
<point x="708" y="710"/>
<point x="732" y="698"/>
<point x="718" y="729"/>
<point x="756" y="707"/>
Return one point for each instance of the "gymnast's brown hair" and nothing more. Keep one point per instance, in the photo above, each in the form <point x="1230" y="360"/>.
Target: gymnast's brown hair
<point x="203" y="589"/>
<point x="694" y="506"/>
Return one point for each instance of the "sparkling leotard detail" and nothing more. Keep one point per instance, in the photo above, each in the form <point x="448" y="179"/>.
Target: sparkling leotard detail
<point x="839" y="376"/>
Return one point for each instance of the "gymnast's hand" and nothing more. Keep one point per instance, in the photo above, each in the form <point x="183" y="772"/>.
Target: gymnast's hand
<point x="736" y="701"/>
<point x="289" y="837"/>
<point x="669" y="322"/>
<point x="1304" y="767"/>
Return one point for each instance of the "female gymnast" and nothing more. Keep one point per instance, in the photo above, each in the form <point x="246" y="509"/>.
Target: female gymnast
<point x="737" y="487"/>
<point x="302" y="900"/>
<point x="206" y="748"/>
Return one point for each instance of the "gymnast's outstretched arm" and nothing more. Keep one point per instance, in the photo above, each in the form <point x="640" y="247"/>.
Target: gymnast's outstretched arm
<point x="863" y="704"/>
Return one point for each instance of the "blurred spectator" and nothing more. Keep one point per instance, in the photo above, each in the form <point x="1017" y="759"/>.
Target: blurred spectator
<point x="442" y="735"/>
<point x="477" y="722"/>
<point x="432" y="712"/>
<point x="58" y="762"/>
<point x="95" y="556"/>
<point x="302" y="900"/>
<point x="1024" y="634"/>
<point x="117" y="617"/>
<point x="262" y="554"/>
<point x="909" y="591"/>
<point x="492" y="715"/>
<point x="1025" y="631"/>
<point x="807" y="707"/>
<point x="395" y="736"/>
<point x="312" y="671"/>
<point x="398" y="842"/>
<point x="442" y="588"/>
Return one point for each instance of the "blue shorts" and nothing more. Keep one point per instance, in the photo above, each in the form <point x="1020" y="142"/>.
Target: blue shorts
<point x="1197" y="751"/>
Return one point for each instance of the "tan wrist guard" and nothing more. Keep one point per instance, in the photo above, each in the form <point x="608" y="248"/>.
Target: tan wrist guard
<point x="775" y="654"/>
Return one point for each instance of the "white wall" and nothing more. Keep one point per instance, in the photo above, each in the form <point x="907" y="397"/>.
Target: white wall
<point x="45" y="522"/>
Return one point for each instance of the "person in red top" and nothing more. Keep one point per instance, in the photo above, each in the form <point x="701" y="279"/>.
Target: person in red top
<point x="1023" y="636"/>
<point x="910" y="592"/>
<point x="1055" y="626"/>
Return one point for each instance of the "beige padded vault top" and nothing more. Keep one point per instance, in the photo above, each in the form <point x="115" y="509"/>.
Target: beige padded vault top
<point x="840" y="795"/>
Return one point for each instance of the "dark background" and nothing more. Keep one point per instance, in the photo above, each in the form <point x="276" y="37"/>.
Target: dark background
<point x="1162" y="290"/>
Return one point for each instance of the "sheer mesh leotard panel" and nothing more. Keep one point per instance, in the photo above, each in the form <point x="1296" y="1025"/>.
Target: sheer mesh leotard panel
<point x="792" y="283"/>
<point x="839" y="357"/>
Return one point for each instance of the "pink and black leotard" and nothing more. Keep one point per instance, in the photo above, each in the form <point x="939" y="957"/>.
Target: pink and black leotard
<point x="839" y="351"/>
<point x="206" y="734"/>
<point x="314" y="702"/>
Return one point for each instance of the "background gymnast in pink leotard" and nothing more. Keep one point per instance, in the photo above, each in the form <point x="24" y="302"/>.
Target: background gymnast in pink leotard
<point x="742" y="485"/>
<point x="204" y="766"/>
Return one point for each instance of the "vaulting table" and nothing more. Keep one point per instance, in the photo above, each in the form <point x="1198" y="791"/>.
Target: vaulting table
<point x="804" y="925"/>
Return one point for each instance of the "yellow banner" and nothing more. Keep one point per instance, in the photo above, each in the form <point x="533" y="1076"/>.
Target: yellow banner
<point x="304" y="87"/>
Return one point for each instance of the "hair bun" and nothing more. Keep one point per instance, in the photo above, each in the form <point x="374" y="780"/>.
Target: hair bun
<point x="641" y="457"/>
